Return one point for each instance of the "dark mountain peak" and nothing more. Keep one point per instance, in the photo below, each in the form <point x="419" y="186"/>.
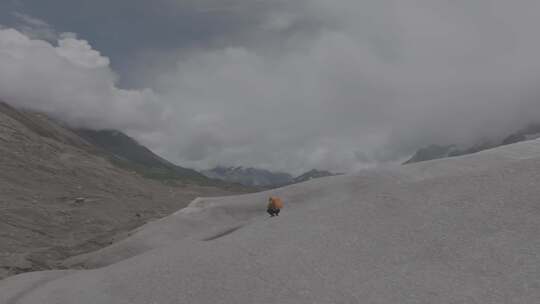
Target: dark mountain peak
<point x="437" y="151"/>
<point x="314" y="173"/>
<point x="530" y="132"/>
<point x="432" y="152"/>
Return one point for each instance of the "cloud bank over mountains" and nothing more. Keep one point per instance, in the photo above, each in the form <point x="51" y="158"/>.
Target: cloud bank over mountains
<point x="72" y="82"/>
<point x="335" y="85"/>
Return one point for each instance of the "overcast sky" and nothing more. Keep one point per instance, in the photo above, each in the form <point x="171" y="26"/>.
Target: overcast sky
<point x="276" y="84"/>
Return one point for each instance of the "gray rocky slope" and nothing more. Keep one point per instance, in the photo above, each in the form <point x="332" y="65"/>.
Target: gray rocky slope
<point x="60" y="195"/>
<point x="457" y="230"/>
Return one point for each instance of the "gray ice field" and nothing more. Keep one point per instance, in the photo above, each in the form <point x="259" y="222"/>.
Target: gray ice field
<point x="460" y="230"/>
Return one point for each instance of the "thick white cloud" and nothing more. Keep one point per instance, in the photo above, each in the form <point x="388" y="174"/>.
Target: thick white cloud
<point x="328" y="84"/>
<point x="80" y="52"/>
<point x="73" y="82"/>
<point x="375" y="81"/>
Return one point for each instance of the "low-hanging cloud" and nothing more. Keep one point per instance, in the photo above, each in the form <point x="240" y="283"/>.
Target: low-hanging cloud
<point x="72" y="82"/>
<point x="334" y="85"/>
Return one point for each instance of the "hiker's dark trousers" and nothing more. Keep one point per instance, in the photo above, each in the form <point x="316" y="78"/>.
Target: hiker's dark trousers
<point x="273" y="211"/>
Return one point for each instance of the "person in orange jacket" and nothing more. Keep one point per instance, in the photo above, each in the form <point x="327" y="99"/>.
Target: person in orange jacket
<point x="274" y="206"/>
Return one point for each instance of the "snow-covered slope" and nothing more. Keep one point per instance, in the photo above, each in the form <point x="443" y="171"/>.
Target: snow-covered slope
<point x="460" y="230"/>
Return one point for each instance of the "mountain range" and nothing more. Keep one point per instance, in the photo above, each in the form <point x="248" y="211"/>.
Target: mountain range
<point x="442" y="151"/>
<point x="261" y="178"/>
